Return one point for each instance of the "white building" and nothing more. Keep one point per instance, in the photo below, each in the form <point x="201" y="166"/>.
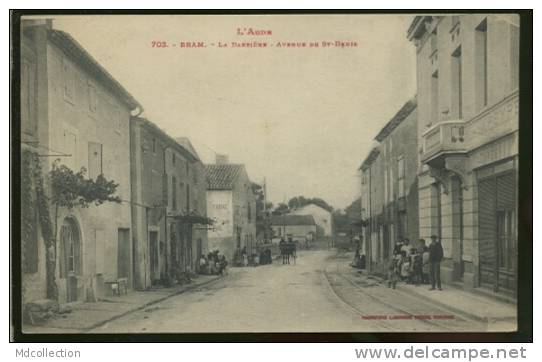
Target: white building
<point x="321" y="216"/>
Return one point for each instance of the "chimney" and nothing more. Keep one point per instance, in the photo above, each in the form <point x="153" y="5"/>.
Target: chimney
<point x="221" y="159"/>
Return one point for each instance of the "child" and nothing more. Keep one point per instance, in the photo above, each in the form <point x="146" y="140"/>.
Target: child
<point x="405" y="266"/>
<point x="393" y="271"/>
<point x="425" y="265"/>
<point x="416" y="276"/>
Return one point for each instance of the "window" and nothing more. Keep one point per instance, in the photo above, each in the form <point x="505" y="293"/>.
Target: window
<point x="28" y="98"/>
<point x="434" y="41"/>
<point x="391" y="183"/>
<point x="68" y="80"/>
<point x="94" y="159"/>
<point x="457" y="85"/>
<point x="69" y="148"/>
<point x="455" y="22"/>
<point x="514" y="56"/>
<point x="165" y="186"/>
<point x="153" y="145"/>
<point x="249" y="213"/>
<point x="401" y="176"/>
<point x="92" y="98"/>
<point x="385" y="185"/>
<point x="117" y="119"/>
<point x="173" y="193"/>
<point x="434" y="99"/>
<point x="481" y="65"/>
<point x="173" y="158"/>
<point x="187" y="197"/>
<point x="505" y="238"/>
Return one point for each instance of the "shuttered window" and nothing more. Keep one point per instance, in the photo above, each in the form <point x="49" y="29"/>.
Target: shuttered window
<point x="28" y="97"/>
<point x="94" y="159"/>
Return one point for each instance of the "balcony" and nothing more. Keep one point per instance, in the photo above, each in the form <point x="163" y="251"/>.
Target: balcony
<point x="442" y="139"/>
<point x="456" y="137"/>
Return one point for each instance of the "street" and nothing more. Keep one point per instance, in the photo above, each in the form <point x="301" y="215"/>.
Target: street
<point x="320" y="293"/>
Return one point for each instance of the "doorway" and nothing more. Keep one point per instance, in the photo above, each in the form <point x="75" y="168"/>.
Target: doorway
<point x="71" y="260"/>
<point x="154" y="253"/>
<point x="457" y="228"/>
<point x="123" y="254"/>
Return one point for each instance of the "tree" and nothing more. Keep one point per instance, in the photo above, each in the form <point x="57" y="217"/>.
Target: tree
<point x="300" y="201"/>
<point x="263" y="226"/>
<point x="281" y="209"/>
<point x="354" y="210"/>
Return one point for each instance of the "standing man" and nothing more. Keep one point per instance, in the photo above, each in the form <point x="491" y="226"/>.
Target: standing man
<point x="435" y="257"/>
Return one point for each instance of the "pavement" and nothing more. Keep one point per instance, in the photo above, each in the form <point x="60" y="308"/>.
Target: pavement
<point x="496" y="314"/>
<point x="267" y="298"/>
<point x="319" y="293"/>
<point x="86" y="316"/>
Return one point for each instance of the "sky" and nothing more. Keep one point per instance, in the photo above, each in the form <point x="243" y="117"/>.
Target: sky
<point x="302" y="118"/>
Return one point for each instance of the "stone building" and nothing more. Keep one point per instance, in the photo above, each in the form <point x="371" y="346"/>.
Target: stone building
<point x="74" y="111"/>
<point x="467" y="75"/>
<point x="169" y="205"/>
<point x="298" y="227"/>
<point x="389" y="188"/>
<point x="231" y="205"/>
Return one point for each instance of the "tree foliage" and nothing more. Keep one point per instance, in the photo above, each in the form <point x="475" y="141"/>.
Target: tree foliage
<point x="300" y="201"/>
<point x="281" y="209"/>
<point x="71" y="189"/>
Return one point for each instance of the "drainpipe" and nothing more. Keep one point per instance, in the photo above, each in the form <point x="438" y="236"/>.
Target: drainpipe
<point x="368" y="258"/>
<point x="165" y="203"/>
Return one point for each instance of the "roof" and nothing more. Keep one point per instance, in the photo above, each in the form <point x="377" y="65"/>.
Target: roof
<point x="289" y="219"/>
<point x="185" y="142"/>
<point x="222" y="176"/>
<point x="399" y="117"/>
<point x="75" y="50"/>
<point x="371" y="157"/>
<point x="164" y="136"/>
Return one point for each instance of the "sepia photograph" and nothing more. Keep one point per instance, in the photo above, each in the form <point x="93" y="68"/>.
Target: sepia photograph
<point x="269" y="173"/>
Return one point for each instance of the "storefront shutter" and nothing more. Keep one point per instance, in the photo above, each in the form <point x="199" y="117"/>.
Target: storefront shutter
<point x="487" y="230"/>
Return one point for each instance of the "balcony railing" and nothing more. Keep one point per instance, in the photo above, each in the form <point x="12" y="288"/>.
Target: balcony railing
<point x="444" y="137"/>
<point x="460" y="136"/>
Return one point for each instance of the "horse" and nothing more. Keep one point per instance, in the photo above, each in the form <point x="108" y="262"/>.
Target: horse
<point x="288" y="250"/>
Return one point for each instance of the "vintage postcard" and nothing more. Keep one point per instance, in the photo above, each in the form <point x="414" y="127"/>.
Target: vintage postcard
<point x="241" y="173"/>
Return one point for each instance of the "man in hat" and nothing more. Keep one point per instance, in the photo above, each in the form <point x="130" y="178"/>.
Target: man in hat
<point x="435" y="257"/>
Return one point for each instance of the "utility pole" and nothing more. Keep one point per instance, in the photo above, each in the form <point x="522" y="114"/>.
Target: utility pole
<point x="265" y="219"/>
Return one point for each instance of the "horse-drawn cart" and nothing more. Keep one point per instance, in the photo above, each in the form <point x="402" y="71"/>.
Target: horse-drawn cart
<point x="288" y="250"/>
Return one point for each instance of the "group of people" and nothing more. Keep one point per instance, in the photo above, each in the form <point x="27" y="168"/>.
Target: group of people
<point x="416" y="265"/>
<point x="213" y="263"/>
<point x="241" y="257"/>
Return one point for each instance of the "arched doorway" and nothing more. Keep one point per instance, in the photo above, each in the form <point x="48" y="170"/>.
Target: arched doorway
<point x="70" y="257"/>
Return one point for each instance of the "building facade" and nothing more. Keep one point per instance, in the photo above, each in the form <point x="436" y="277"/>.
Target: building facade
<point x="169" y="205"/>
<point x="74" y="112"/>
<point x="321" y="216"/>
<point x="389" y="188"/>
<point x="298" y="227"/>
<point x="231" y="205"/>
<point x="468" y="75"/>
